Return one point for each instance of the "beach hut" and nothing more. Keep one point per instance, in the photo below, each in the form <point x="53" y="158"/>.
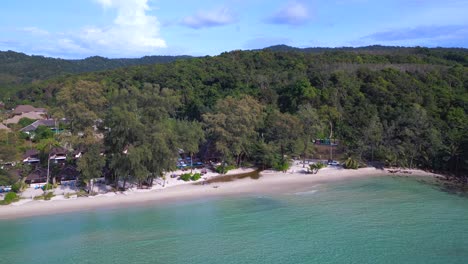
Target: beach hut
<point x="31" y="156"/>
<point x="68" y="173"/>
<point x="58" y="155"/>
<point x="38" y="175"/>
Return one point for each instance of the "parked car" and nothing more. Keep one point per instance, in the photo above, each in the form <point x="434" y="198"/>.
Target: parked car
<point x="334" y="163"/>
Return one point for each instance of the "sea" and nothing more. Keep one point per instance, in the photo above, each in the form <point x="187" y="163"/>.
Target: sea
<point x="370" y="220"/>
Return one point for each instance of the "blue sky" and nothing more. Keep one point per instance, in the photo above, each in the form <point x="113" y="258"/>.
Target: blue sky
<point x="135" y="28"/>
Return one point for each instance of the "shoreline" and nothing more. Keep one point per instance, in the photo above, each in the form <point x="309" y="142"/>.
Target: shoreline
<point x="269" y="182"/>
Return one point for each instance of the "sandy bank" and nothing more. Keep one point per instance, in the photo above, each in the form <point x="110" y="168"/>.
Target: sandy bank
<point x="269" y="182"/>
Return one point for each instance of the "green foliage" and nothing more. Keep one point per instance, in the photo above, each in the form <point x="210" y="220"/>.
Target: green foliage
<point x="195" y="177"/>
<point x="233" y="125"/>
<point x="18" y="187"/>
<point x="264" y="154"/>
<point x="351" y="163"/>
<point x="315" y="167"/>
<point x="6" y="178"/>
<point x="23" y="122"/>
<point x="10" y="198"/>
<point x="47" y="196"/>
<point x="47" y="186"/>
<point x="24" y="135"/>
<point x="21" y="68"/>
<point x="186" y="176"/>
<point x="90" y="165"/>
<point x="10" y="145"/>
<point x="190" y="176"/>
<point x="42" y="132"/>
<point x="224" y="169"/>
<point x="282" y="165"/>
<point x="402" y="106"/>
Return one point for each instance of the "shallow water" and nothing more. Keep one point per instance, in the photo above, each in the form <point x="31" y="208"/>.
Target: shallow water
<point x="375" y="220"/>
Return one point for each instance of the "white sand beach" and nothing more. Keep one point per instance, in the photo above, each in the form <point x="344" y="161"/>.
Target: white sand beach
<point x="176" y="190"/>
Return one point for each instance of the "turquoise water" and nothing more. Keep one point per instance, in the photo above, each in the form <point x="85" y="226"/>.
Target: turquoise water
<point x="380" y="220"/>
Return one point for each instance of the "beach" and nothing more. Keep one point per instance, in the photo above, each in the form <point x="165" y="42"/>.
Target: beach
<point x="295" y="179"/>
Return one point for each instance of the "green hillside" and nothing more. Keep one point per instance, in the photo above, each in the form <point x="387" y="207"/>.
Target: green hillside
<point x="19" y="68"/>
<point x="400" y="108"/>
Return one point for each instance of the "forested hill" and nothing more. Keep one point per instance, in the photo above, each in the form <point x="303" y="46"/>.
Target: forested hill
<point x="19" y="68"/>
<point x="432" y="55"/>
<point x="400" y="108"/>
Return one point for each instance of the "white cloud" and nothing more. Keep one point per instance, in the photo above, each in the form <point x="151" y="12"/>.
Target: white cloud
<point x="35" y="31"/>
<point x="132" y="30"/>
<point x="132" y="33"/>
<point x="293" y="13"/>
<point x="209" y="18"/>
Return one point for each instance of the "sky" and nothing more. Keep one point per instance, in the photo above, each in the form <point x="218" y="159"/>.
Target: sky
<point x="76" y="29"/>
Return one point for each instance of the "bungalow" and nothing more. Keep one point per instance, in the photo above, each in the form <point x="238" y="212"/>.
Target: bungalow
<point x="31" y="156"/>
<point x="68" y="173"/>
<point x="45" y="122"/>
<point x="58" y="155"/>
<point x="22" y="109"/>
<point x="38" y="175"/>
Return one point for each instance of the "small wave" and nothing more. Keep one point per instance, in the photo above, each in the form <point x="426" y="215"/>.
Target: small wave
<point x="306" y="192"/>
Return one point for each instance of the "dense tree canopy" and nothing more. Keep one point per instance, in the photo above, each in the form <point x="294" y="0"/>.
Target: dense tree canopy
<point x="404" y="107"/>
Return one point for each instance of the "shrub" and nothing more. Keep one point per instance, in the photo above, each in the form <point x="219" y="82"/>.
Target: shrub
<point x="16" y="187"/>
<point x="195" y="177"/>
<point x="282" y="165"/>
<point x="351" y="163"/>
<point x="225" y="169"/>
<point x="48" y="195"/>
<point x="185" y="176"/>
<point x="47" y="186"/>
<point x="25" y="121"/>
<point x="316" y="167"/>
<point x="69" y="195"/>
<point x="10" y="197"/>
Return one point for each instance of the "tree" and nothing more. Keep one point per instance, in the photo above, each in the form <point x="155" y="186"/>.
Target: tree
<point x="41" y="133"/>
<point x="233" y="125"/>
<point x="190" y="136"/>
<point x="9" y="146"/>
<point x="82" y="102"/>
<point x="373" y="134"/>
<point x="315" y="167"/>
<point x="351" y="163"/>
<point x="45" y="147"/>
<point x="124" y="130"/>
<point x="284" y="131"/>
<point x="23" y="122"/>
<point x="90" y="165"/>
<point x="311" y="125"/>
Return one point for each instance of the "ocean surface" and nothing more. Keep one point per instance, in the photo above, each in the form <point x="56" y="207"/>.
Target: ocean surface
<point x="374" y="220"/>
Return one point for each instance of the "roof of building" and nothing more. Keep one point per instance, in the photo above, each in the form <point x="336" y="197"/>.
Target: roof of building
<point x="69" y="172"/>
<point x="36" y="124"/>
<point x="17" y="118"/>
<point x="20" y="109"/>
<point x="37" y="174"/>
<point x="58" y="151"/>
<point x="30" y="153"/>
